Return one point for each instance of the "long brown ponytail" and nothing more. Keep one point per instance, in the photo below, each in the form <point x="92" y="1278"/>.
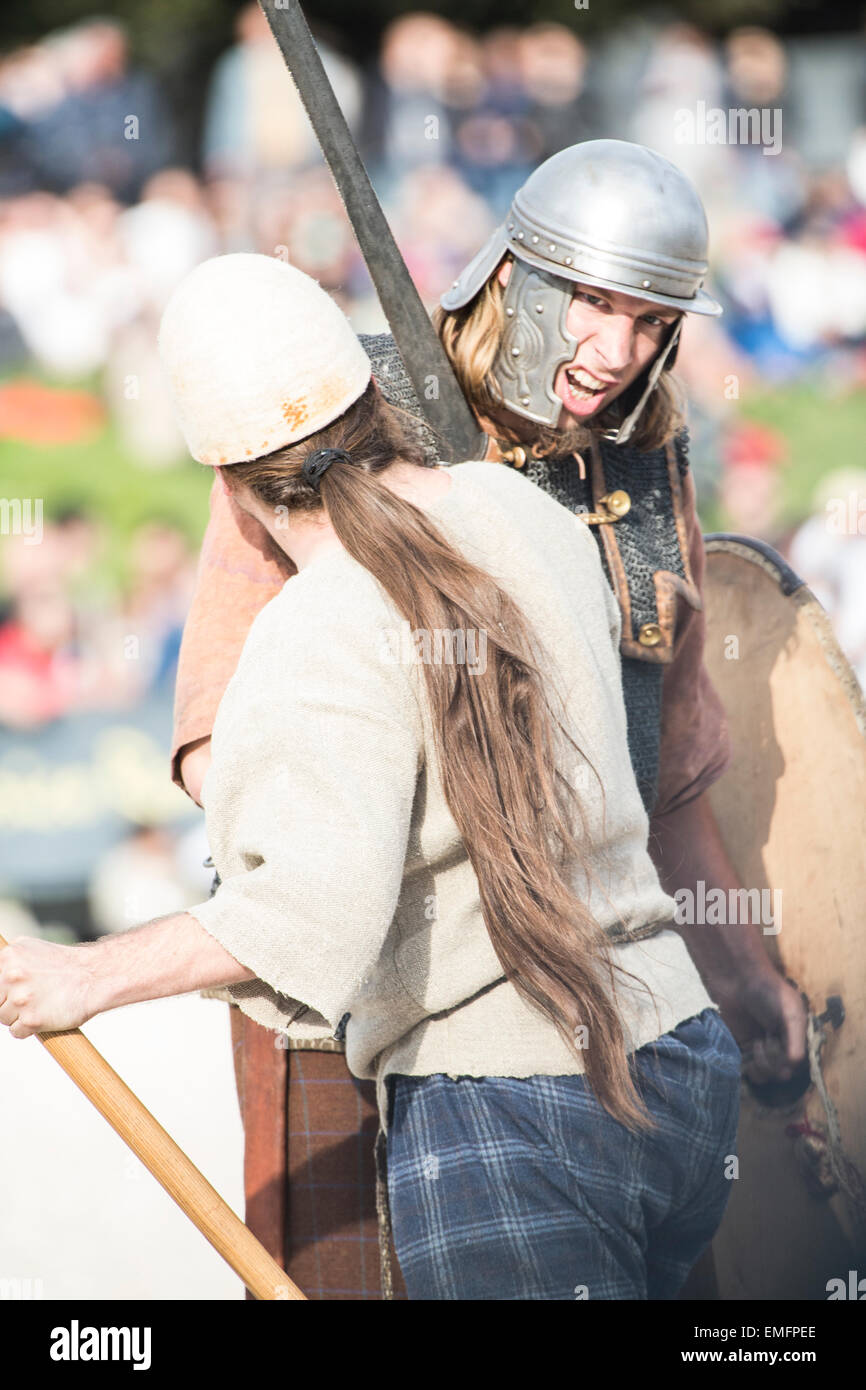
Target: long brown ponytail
<point x="498" y="742"/>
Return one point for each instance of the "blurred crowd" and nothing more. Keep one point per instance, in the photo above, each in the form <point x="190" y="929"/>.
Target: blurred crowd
<point x="86" y="684"/>
<point x="104" y="208"/>
<point x="67" y="645"/>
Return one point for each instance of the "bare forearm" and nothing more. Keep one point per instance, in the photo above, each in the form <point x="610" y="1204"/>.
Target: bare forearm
<point x="688" y="850"/>
<point x="170" y="955"/>
<point x="766" y="1014"/>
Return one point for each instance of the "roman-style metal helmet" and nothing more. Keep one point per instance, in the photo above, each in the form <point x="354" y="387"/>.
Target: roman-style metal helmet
<point x="605" y="212"/>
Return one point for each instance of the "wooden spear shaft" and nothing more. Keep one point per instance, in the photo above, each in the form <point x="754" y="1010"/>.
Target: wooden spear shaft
<point x="169" y="1164"/>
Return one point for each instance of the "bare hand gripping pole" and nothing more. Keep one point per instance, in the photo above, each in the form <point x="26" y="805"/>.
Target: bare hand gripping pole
<point x="169" y="1164"/>
<point x="423" y="355"/>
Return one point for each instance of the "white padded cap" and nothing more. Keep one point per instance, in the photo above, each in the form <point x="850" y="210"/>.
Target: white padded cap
<point x="257" y="355"/>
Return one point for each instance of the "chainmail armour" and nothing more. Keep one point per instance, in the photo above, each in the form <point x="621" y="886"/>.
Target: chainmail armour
<point x="646" y="536"/>
<point x="648" y="542"/>
<point x="394" y="383"/>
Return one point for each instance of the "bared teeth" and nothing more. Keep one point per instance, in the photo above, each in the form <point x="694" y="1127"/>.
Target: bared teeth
<point x="580" y="392"/>
<point x="582" y="381"/>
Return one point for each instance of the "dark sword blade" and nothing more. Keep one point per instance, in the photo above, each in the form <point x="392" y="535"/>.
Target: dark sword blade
<point x="423" y="356"/>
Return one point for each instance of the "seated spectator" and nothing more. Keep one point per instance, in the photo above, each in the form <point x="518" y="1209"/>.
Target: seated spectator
<point x="111" y="126"/>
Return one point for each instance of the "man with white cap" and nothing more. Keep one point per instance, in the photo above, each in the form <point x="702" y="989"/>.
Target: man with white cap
<point x="562" y="332"/>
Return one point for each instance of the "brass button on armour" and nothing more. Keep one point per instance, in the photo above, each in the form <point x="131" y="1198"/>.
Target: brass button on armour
<point x="650" y="635"/>
<point x="617" y="502"/>
<point x="515" y="456"/>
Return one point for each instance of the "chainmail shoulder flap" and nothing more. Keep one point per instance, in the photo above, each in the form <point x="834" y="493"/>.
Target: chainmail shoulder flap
<point x="646" y="561"/>
<point x="393" y="381"/>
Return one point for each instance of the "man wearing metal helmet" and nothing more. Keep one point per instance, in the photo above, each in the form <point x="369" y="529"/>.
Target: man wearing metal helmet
<point x="608" y="215"/>
<point x="562" y="332"/>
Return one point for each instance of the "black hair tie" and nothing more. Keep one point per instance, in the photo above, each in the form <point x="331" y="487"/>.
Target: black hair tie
<point x="319" y="462"/>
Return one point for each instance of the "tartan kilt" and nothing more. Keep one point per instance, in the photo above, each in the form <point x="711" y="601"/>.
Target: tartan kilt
<point x="310" y="1130"/>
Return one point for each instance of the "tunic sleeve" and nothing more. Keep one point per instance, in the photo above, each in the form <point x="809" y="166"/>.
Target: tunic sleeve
<point x="695" y="743"/>
<point x="308" y="802"/>
<point x="239" y="571"/>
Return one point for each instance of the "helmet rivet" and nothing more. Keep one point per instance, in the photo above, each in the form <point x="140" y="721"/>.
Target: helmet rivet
<point x="568" y="260"/>
<point x="515" y="352"/>
<point x="539" y="308"/>
<point x="519" y="236"/>
<point x="646" y="284"/>
<point x="524" y="400"/>
<point x="509" y="312"/>
<point x="535" y="239"/>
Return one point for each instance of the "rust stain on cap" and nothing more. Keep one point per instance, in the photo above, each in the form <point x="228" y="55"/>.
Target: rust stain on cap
<point x="295" y="413"/>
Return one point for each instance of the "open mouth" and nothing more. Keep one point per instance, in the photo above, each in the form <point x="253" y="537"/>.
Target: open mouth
<point x="583" y="386"/>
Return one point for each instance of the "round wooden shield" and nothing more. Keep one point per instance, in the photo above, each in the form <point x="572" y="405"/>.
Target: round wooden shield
<point x="792" y="812"/>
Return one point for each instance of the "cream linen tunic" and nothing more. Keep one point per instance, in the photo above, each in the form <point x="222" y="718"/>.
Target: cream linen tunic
<point x="345" y="884"/>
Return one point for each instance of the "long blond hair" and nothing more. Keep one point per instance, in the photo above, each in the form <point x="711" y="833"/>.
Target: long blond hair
<point x="498" y="743"/>
<point x="472" y="337"/>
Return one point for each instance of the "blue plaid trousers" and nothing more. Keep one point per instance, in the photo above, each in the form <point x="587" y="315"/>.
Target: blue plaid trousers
<point x="525" y="1188"/>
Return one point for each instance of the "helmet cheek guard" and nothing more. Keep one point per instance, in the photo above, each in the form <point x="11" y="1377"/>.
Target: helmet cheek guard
<point x="535" y="342"/>
<point x="661" y="363"/>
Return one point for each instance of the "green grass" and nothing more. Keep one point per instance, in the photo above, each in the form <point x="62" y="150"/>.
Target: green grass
<point x="821" y="433"/>
<point x="101" y="477"/>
